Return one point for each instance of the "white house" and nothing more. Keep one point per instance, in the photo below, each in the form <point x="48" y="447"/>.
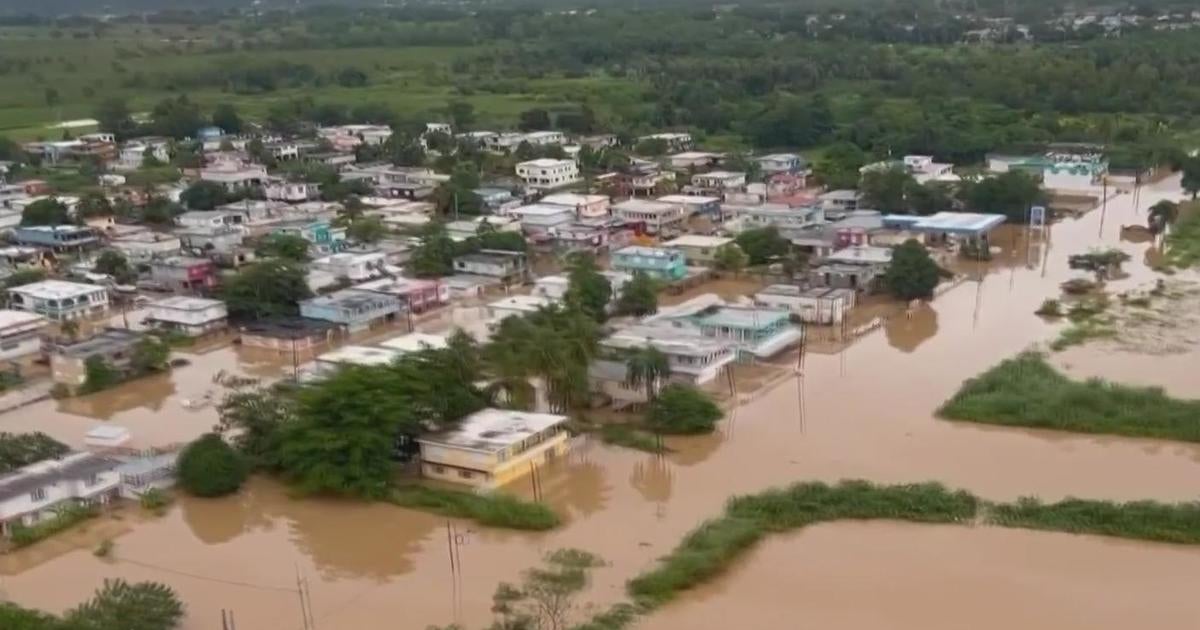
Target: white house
<point x="414" y="342"/>
<point x="493" y="263"/>
<point x="698" y="248"/>
<point x="59" y="300"/>
<point x="718" y="182"/>
<point x="541" y="218"/>
<point x="744" y="217"/>
<point x="144" y="245"/>
<point x="585" y="206"/>
<point x="660" y="217"/>
<point x="812" y="306"/>
<point x="279" y="189"/>
<point x="693" y="159"/>
<point x="546" y="173"/>
<point x="554" y="287"/>
<point x="782" y="163"/>
<point x="235" y="176"/>
<point x="836" y="202"/>
<point x="213" y="219"/>
<point x="364" y="356"/>
<point x="693" y="358"/>
<point x="355" y="266"/>
<point x="20" y="334"/>
<point x="188" y="315"/>
<point x="492" y="447"/>
<point x="676" y="141"/>
<point x="34" y="493"/>
<point x="516" y="305"/>
<point x="133" y="153"/>
<point x="544" y="138"/>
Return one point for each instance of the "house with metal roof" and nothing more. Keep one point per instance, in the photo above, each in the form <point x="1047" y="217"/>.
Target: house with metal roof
<point x="492" y="447"/>
<point x="38" y="491"/>
<point x="756" y="332"/>
<point x="353" y="308"/>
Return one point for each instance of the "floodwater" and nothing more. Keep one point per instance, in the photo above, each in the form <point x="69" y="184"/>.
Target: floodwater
<point x="862" y="409"/>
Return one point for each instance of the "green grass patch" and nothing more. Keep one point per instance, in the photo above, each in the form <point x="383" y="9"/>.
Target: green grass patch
<point x="1081" y="333"/>
<point x="630" y="437"/>
<point x="64" y="518"/>
<point x="1143" y="520"/>
<point x="492" y="509"/>
<point x="1183" y="241"/>
<point x="1026" y="391"/>
<point x="710" y="548"/>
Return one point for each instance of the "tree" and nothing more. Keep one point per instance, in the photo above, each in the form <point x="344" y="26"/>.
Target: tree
<point x="405" y="151"/>
<point x="1011" y="194"/>
<point x="1191" y="177"/>
<point x="1162" y="215"/>
<point x="651" y="147"/>
<point x="94" y="204"/>
<point x="647" y="367"/>
<point x="285" y="246"/>
<point x="682" y="409"/>
<point x="119" y="605"/>
<point x="639" y="296"/>
<point x="533" y="120"/>
<point x="209" y="467"/>
<point x="350" y="77"/>
<point x="462" y="114"/>
<point x="434" y="256"/>
<point x="225" y="117"/>
<point x="838" y="166"/>
<point x="69" y="329"/>
<point x="269" y="288"/>
<point x="763" y="245"/>
<point x="730" y="257"/>
<point x="22" y="449"/>
<point x="367" y="230"/>
<point x="114" y="117"/>
<point x="587" y="289"/>
<point x="506" y="241"/>
<point x="204" y="195"/>
<point x="159" y="211"/>
<point x="176" y="118"/>
<point x="98" y="375"/>
<point x="930" y="198"/>
<point x="113" y="263"/>
<point x="545" y="599"/>
<point x="10" y="150"/>
<point x="886" y="189"/>
<point x="255" y="418"/>
<point x="149" y="355"/>
<point x="22" y="277"/>
<point x="51" y="96"/>
<point x="13" y="617"/>
<point x="49" y="211"/>
<point x="912" y="273"/>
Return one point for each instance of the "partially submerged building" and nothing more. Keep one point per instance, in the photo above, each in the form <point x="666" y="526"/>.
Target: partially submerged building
<point x="59" y="300"/>
<point x="813" y="306"/>
<point x="39" y="491"/>
<point x="353" y="308"/>
<point x="188" y="315"/>
<point x="756" y="332"/>
<point x="492" y="447"/>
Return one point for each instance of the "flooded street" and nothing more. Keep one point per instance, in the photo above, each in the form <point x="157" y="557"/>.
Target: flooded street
<point x="864" y="408"/>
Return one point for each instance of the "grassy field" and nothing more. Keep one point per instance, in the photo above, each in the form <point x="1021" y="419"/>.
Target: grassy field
<point x="492" y="510"/>
<point x="1183" y="243"/>
<point x="1027" y="392"/>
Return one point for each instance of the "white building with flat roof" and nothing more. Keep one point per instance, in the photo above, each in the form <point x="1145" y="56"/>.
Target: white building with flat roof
<point x="585" y="206"/>
<point x="541" y="217"/>
<point x="659" y="217"/>
<point x="354" y="266"/>
<point x="694" y="359"/>
<point x="188" y="315"/>
<point x="363" y="356"/>
<point x="547" y="173"/>
<point x="20" y="334"/>
<point x="38" y="491"/>
<point x="697" y="247"/>
<point x="820" y="305"/>
<point x="516" y="305"/>
<point x="145" y="245"/>
<point x="59" y="300"/>
<point x="492" y="447"/>
<point x="414" y="342"/>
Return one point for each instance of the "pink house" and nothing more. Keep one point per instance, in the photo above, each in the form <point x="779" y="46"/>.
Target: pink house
<point x="417" y="295"/>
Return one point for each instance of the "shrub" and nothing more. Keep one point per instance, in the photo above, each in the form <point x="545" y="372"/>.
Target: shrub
<point x="493" y="509"/>
<point x="155" y="501"/>
<point x="681" y="409"/>
<point x="64" y="517"/>
<point x="209" y="467"/>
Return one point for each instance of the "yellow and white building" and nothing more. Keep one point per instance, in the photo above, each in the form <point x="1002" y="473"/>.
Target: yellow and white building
<point x="492" y="447"/>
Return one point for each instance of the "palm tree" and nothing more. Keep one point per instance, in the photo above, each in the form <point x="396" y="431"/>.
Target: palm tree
<point x="647" y="367"/>
<point x="1161" y="215"/>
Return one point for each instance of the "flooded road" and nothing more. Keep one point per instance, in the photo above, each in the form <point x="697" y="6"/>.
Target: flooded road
<point x="863" y="409"/>
<point x="853" y="576"/>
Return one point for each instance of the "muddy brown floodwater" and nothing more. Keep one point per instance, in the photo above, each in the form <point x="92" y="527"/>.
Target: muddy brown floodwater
<point x="864" y="408"/>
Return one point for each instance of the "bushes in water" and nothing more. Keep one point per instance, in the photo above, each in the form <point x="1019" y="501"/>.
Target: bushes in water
<point x="1143" y="520"/>
<point x="209" y="467"/>
<point x="1026" y="391"/>
<point x="64" y="518"/>
<point x="492" y="509"/>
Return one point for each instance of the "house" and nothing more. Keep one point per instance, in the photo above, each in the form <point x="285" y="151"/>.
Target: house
<point x="417" y="296"/>
<point x="554" y="287"/>
<point x="145" y="245"/>
<point x="716" y="183"/>
<point x="213" y="219"/>
<point x="323" y="236"/>
<point x="295" y="334"/>
<point x="582" y="238"/>
<point x="756" y="332"/>
<point x="789" y="163"/>
<point x="507" y="266"/>
<point x="184" y="273"/>
<point x="502" y="142"/>
<point x="664" y="219"/>
<point x="68" y="361"/>
<point x="812" y="306"/>
<point x="599" y="141"/>
<point x="39" y="491"/>
<point x="547" y="173"/>
<point x="585" y="206"/>
<point x="1070" y="170"/>
<point x="347" y="137"/>
<point x="133" y="153"/>
<point x="355" y="267"/>
<point x="922" y="168"/>
<point x="492" y="447"/>
<point x="353" y="308"/>
<point x="540" y="218"/>
<point x="213" y="240"/>
<point x="516" y="305"/>
<point x="188" y="315"/>
<point x="694" y="159"/>
<point x="746" y="217"/>
<point x="463" y="286"/>
<point x="409" y="182"/>
<point x="59" y="300"/>
<point x="694" y="359"/>
<point x="279" y="189"/>
<point x="698" y="249"/>
<point x="675" y="141"/>
<point x="695" y="204"/>
<point x="943" y="227"/>
<point x="497" y="200"/>
<point x="414" y="342"/>
<point x="58" y="238"/>
<point x="643" y="177"/>
<point x="234" y="176"/>
<point x="661" y="264"/>
<point x="544" y="138"/>
<point x="362" y="356"/>
<point x="838" y="202"/>
<point x="857" y="267"/>
<point x="20" y="334"/>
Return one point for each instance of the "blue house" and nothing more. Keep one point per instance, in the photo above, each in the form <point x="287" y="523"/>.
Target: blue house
<point x="658" y="263"/>
<point x="324" y="237"/>
<point x="57" y="237"/>
<point x="356" y="310"/>
<point x="756" y="332"/>
<point x="209" y="133"/>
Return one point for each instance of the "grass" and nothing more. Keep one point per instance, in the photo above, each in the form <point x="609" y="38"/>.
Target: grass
<point x="1183" y="241"/>
<point x="492" y="509"/>
<point x="65" y="518"/>
<point x="1080" y="333"/>
<point x="713" y="546"/>
<point x="630" y="437"/>
<point x="1026" y="391"/>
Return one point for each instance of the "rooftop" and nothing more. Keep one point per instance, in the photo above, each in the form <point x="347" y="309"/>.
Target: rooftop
<point x="523" y="303"/>
<point x="695" y="155"/>
<point x="360" y="355"/>
<point x="107" y="340"/>
<point x="861" y="254"/>
<point x="540" y="210"/>
<point x="544" y="163"/>
<point x="288" y="328"/>
<point x="74" y="466"/>
<point x="698" y="240"/>
<point x="965" y="223"/>
<point x="572" y="199"/>
<point x="646" y="252"/>
<point x="395" y="286"/>
<point x="13" y="319"/>
<point x="414" y="342"/>
<point x="491" y="430"/>
<point x="840" y="195"/>
<point x="352" y="299"/>
<point x="792" y="290"/>
<point x="643" y="205"/>
<point x="667" y="340"/>
<point x="688" y="199"/>
<point x="184" y="303"/>
<point x="56" y="289"/>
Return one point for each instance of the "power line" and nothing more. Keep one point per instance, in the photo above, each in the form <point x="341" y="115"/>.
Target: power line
<point x="197" y="576"/>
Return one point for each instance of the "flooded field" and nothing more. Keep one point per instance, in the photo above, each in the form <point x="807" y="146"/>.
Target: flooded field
<point x="863" y="409"/>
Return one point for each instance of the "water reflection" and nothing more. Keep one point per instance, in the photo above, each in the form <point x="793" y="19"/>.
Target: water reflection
<point x="909" y="330"/>
<point x="575" y="483"/>
<point x="150" y="392"/>
<point x="653" y="478"/>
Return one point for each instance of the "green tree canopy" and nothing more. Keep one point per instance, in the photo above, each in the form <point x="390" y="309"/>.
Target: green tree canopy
<point x="268" y="288"/>
<point x="225" y="116"/>
<point x="887" y="189"/>
<point x="647" y="367"/>
<point x="588" y="289"/>
<point x="367" y="230"/>
<point x="176" y="118"/>
<point x="681" y="409"/>
<point x="150" y="354"/>
<point x="113" y="116"/>
<point x="763" y="245"/>
<point x="1191" y="176"/>
<point x="94" y="204"/>
<point x="912" y="273"/>
<point x="1011" y="194"/>
<point x="113" y="263"/>
<point x="204" y="195"/>
<point x="730" y="257"/>
<point x="639" y="296"/>
<point x="119" y="605"/>
<point x="22" y="449"/>
<point x="209" y="467"/>
<point x="49" y="211"/>
<point x="283" y="246"/>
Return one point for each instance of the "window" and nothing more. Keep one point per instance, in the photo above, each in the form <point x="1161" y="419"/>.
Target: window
<point x="466" y="474"/>
<point x="440" y="470"/>
<point x="91" y="481"/>
<point x="38" y="494"/>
